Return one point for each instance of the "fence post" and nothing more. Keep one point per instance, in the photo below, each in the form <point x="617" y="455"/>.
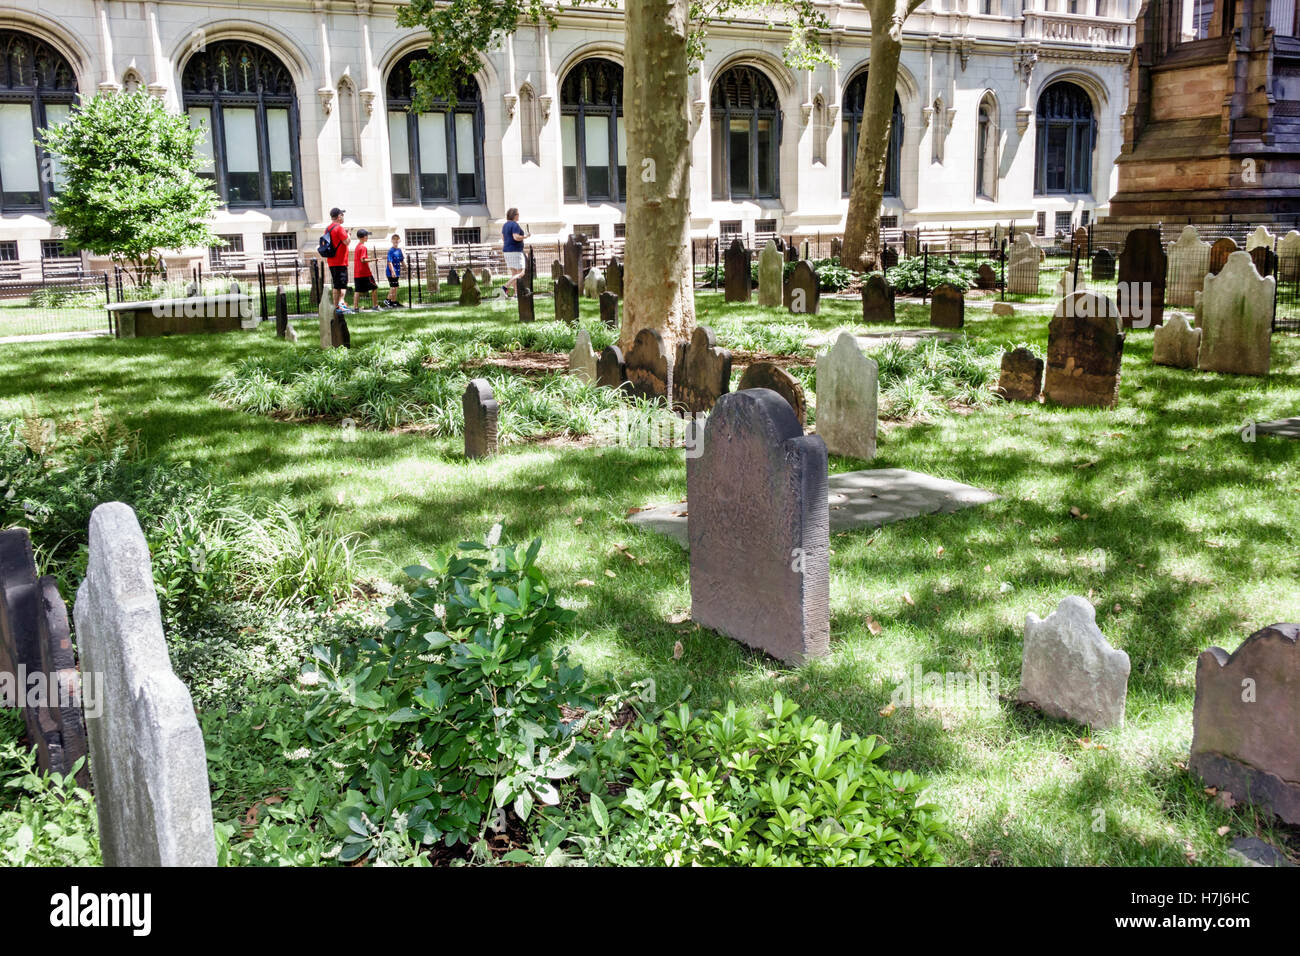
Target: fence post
<point x="261" y="287"/>
<point x="925" y="272"/>
<point x="1002" y="270"/>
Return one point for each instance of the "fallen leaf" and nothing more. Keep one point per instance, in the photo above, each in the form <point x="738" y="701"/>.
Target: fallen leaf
<point x="1117" y="608"/>
<point x="908" y="598"/>
<point x="577" y="521"/>
<point x="681" y="617"/>
<point x="677" y="651"/>
<point x="1226" y="799"/>
<point x="1223" y="831"/>
<point x="585" y="583"/>
<point x="888" y="710"/>
<point x="939" y="553"/>
<point x="610" y="574"/>
<point x="540" y="488"/>
<point x="632" y="511"/>
<point x="988" y="568"/>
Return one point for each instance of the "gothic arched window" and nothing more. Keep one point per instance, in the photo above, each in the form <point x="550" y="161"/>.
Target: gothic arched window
<point x="437" y="155"/>
<point x="1066" y="136"/>
<point x="853" y="111"/>
<point x="591" y="132"/>
<point x="746" y="135"/>
<point x="986" y="150"/>
<point x="37" y="90"/>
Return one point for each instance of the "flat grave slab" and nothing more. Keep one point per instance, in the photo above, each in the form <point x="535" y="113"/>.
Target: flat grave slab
<point x="858" y="499"/>
<point x="1283" y="428"/>
<point x="907" y="338"/>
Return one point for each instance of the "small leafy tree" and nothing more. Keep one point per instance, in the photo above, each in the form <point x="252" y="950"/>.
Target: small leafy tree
<point x="129" y="186"/>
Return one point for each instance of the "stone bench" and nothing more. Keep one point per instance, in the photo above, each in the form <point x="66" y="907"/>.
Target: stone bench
<point x="183" y="316"/>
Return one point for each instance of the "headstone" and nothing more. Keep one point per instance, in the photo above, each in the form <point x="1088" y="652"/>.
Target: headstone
<point x="524" y="293"/>
<point x="1085" y="344"/>
<point x="340" y="337"/>
<point x="234" y="288"/>
<point x="485" y="278"/>
<point x="888" y="257"/>
<point x="36" y="651"/>
<point x="469" y="291"/>
<point x="1003" y="308"/>
<point x="1142" y="268"/>
<point x="557" y="268"/>
<point x="1288" y="258"/>
<point x="1235" y="316"/>
<point x="736" y="271"/>
<point x="790" y="252"/>
<point x="281" y="312"/>
<point x="582" y="360"/>
<point x="1246" y="721"/>
<point x="453" y="277"/>
<point x="1069" y="669"/>
<point x="147" y="758"/>
<point x="431" y="271"/>
<point x="837" y="247"/>
<point x="1021" y="379"/>
<point x="774" y="378"/>
<point x="1264" y="260"/>
<point x="611" y="370"/>
<point x="317" y="270"/>
<point x="290" y="335"/>
<point x="325" y="313"/>
<point x="986" y="277"/>
<point x="1219" y="252"/>
<point x="847" y="399"/>
<point x="1079" y="243"/>
<point x="573" y="260"/>
<point x="802" y="294"/>
<point x="480" y="407"/>
<point x="1260" y="238"/>
<point x="1103" y="265"/>
<point x="947" y="307"/>
<point x="805" y="251"/>
<point x="701" y="374"/>
<point x="759" y="528"/>
<point x="649" y="367"/>
<point x="566" y="299"/>
<point x="1022" y="266"/>
<point x="1176" y="343"/>
<point x="192" y="290"/>
<point x="594" y="284"/>
<point x="614" y="277"/>
<point x="609" y="309"/>
<point x="771" y="274"/>
<point x="1189" y="261"/>
<point x="877" y="299"/>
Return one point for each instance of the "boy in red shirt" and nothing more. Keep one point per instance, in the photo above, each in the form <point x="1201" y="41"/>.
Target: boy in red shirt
<point x="362" y="278"/>
<point x="338" y="263"/>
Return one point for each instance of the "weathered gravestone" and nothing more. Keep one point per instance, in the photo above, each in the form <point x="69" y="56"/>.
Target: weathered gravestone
<point x="281" y="312"/>
<point x="1079" y="243"/>
<point x="557" y="268"/>
<point x="325" y="313"/>
<point x="986" y="277"/>
<point x="877" y="299"/>
<point x="802" y="293"/>
<point x="759" y="528"/>
<point x="1219" y="252"/>
<point x="147" y="758"/>
<point x="790" y="252"/>
<point x="702" y="373"/>
<point x="453" y="277"/>
<point x="1070" y="283"/>
<point x="524" y="292"/>
<point x="1189" y="261"/>
<point x="340" y="337"/>
<point x="1003" y="308"/>
<point x="837" y="247"/>
<point x="485" y="278"/>
<point x="1103" y="265"/>
<point x="469" y="291"/>
<point x="736" y="280"/>
<point x="888" y="257"/>
<point x="480" y="407"/>
<point x="38" y="669"/>
<point x="649" y="367"/>
<point x="582" y="360"/>
<point x="847" y="399"/>
<point x="1070" y="670"/>
<point x="1084" y="346"/>
<point x="594" y="284"/>
<point x="1260" y="238"/>
<point x="1022" y="266"/>
<point x="611" y="370"/>
<point x="805" y="250"/>
<point x="771" y="274"/>
<point x="1235" y="316"/>
<point x="1265" y="260"/>
<point x="776" y="379"/>
<point x="1288" y="258"/>
<point x="1142" y="267"/>
<point x="609" y="309"/>
<point x="1246" y="721"/>
<point x="1021" y="379"/>
<point x="573" y="260"/>
<point x="614" y="277"/>
<point x="566" y="299"/>
<point x="431" y="271"/>
<point x="947" y="307"/>
<point x="317" y="283"/>
<point x="1176" y="343"/>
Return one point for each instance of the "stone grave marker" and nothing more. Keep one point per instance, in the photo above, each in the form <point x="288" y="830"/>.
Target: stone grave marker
<point x="1003" y="308"/>
<point x="888" y="257"/>
<point x="837" y="247"/>
<point x="594" y="284"/>
<point x="325" y="313"/>
<point x="1022" y="266"/>
<point x="1260" y="238"/>
<point x="947" y="307"/>
<point x="1288" y="257"/>
<point x="1103" y="265"/>
<point x="1265" y="260"/>
<point x="611" y="370"/>
<point x="1176" y="343"/>
<point x="1085" y="343"/>
<point x="609" y="309"/>
<point x="582" y="360"/>
<point x="1189" y="261"/>
<point x="566" y="299"/>
<point x="790" y="252"/>
<point x="1219" y="252"/>
<point x="453" y="277"/>
<point x="1246" y="721"/>
<point x="771" y="275"/>
<point x="1282" y="428"/>
<point x="557" y="268"/>
<point x="877" y="299"/>
<point x="986" y="276"/>
<point x="614" y="277"/>
<point x="805" y="250"/>
<point x="281" y="312"/>
<point x="802" y="294"/>
<point x="340" y="337"/>
<point x="481" y="410"/>
<point x="1021" y="379"/>
<point x="649" y="367"/>
<point x="701" y="374"/>
<point x="469" y="290"/>
<point x="524" y="293"/>
<point x="774" y="378"/>
<point x="759" y="528"/>
<point x="147" y="758"/>
<point x="1142" y="268"/>
<point x="573" y="260"/>
<point x="1079" y="243"/>
<point x="485" y="278"/>
<point x="847" y="399"/>
<point x="736" y="280"/>
<point x="317" y="283"/>
<point x="1235" y="316"/>
<point x="1069" y="669"/>
<point x="431" y="271"/>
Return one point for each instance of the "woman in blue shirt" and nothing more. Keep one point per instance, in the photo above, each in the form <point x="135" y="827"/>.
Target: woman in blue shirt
<point x="512" y="244"/>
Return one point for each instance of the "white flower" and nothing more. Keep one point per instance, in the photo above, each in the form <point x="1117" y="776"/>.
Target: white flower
<point x="302" y="753"/>
<point x="498" y="622"/>
<point x="309" y="678"/>
<point x="494" y="535"/>
<point x="440" y="612"/>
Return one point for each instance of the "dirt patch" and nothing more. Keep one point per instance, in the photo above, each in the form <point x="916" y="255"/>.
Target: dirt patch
<point x="741" y="360"/>
<point x="524" y="361"/>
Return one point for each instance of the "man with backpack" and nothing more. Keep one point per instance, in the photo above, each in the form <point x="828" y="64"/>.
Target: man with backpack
<point x="334" y="248"/>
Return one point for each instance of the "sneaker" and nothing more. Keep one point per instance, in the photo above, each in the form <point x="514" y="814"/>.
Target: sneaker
<point x="343" y="309"/>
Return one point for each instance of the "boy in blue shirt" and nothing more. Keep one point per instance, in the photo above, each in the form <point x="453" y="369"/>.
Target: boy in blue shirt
<point x="394" y="271"/>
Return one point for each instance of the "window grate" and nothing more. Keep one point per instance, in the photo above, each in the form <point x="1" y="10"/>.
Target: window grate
<point x="466" y="235"/>
<point x="280" y="242"/>
<point x="421" y="238"/>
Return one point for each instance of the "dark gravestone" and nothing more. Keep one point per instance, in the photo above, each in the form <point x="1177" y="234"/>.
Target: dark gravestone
<point x="986" y="277"/>
<point x="791" y="253"/>
<point x="888" y="257"/>
<point x="1079" y="243"/>
<point x="453" y="277"/>
<point x="837" y="247"/>
<point x="614" y="277"/>
<point x="877" y="300"/>
<point x="36" y="652"/>
<point x="1219" y="253"/>
<point x="1022" y="376"/>
<point x="281" y="313"/>
<point x="769" y="376"/>
<point x="736" y="271"/>
<point x="1103" y="265"/>
<point x="702" y="373"/>
<point x="317" y="283"/>
<point x="611" y="370"/>
<point x="759" y="528"/>
<point x="1085" y="344"/>
<point x="609" y="309"/>
<point x="947" y="307"/>
<point x="340" y="337"/>
<point x="480" y="419"/>
<point x="525" y="295"/>
<point x="649" y="367"/>
<point x="566" y="299"/>
<point x="573" y="260"/>
<point x="557" y="268"/>
<point x="1265" y="260"/>
<point x="1142" y="268"/>
<point x="802" y="295"/>
<point x="1246" y="720"/>
<point x="469" y="292"/>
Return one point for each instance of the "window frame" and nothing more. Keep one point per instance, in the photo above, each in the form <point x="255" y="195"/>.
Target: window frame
<point x="765" y="104"/>
<point x="574" y="103"/>
<point x="1079" y="121"/>
<point x="852" y="112"/>
<point x="37" y="97"/>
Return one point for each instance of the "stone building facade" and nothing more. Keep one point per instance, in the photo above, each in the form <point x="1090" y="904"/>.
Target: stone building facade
<point x="1010" y="110"/>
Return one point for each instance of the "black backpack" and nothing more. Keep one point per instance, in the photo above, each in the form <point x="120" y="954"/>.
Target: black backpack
<point x="326" y="247"/>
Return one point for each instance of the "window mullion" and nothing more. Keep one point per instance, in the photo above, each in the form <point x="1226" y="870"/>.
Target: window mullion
<point x="264" y="150"/>
<point x="453" y="164"/>
<point x="219" y="149"/>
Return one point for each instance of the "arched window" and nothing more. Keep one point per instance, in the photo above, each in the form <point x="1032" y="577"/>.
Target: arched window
<point x="245" y="98"/>
<point x="853" y="111"/>
<point x="591" y="131"/>
<point x="986" y="150"/>
<point x="349" y="123"/>
<point x="1066" y="135"/>
<point x="746" y="131"/>
<point x="437" y="155"/>
<point x="37" y="90"/>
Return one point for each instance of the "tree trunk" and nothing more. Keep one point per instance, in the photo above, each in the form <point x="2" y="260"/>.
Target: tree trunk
<point x="861" y="248"/>
<point x="658" y="288"/>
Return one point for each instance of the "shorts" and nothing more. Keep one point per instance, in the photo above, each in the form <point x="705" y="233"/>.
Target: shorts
<point x="339" y="276"/>
<point x="515" y="261"/>
<point x="394" y="282"/>
<point x="365" y="283"/>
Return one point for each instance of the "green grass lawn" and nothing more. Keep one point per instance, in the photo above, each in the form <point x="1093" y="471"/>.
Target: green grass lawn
<point x="1186" y="540"/>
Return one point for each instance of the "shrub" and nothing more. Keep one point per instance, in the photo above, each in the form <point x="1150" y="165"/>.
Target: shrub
<point x="45" y="819"/>
<point x="910" y="276"/>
